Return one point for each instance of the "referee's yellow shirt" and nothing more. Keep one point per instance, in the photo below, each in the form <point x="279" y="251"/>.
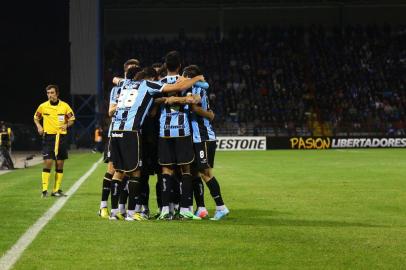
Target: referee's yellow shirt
<point x="54" y="116"/>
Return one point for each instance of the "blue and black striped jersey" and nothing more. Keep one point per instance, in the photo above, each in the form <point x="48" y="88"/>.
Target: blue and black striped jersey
<point x="114" y="94"/>
<point x="201" y="126"/>
<point x="174" y="119"/>
<point x="134" y="102"/>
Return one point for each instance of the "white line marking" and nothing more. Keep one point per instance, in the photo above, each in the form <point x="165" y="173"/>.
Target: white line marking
<point x="14" y="253"/>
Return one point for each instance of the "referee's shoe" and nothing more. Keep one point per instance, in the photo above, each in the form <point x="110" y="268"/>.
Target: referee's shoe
<point x="59" y="193"/>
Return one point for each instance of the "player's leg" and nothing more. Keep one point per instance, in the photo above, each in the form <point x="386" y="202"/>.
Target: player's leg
<point x="158" y="192"/>
<point x="144" y="195"/>
<point x="201" y="163"/>
<point x="134" y="191"/>
<point x="175" y="192"/>
<point x="48" y="143"/>
<point x="122" y="201"/>
<point x="123" y="161"/>
<point x="57" y="191"/>
<point x="167" y="181"/>
<point x="46" y="173"/>
<point x="115" y="191"/>
<point x="185" y="156"/>
<point x="104" y="212"/>
<point x="167" y="158"/>
<point x="212" y="183"/>
<point x="60" y="161"/>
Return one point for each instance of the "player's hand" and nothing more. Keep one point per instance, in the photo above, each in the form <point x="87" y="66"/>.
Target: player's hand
<point x="212" y="115"/>
<point x="169" y="100"/>
<point x="197" y="99"/>
<point x="116" y="80"/>
<point x="190" y="100"/>
<point x="200" y="78"/>
<point x="64" y="127"/>
<point x="181" y="79"/>
<point x="40" y="130"/>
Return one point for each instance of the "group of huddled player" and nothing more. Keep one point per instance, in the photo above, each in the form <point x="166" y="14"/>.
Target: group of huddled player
<point x="161" y="124"/>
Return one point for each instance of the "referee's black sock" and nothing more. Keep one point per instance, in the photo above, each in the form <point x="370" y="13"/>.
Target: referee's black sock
<point x="198" y="191"/>
<point x="215" y="192"/>
<point x="106" y="186"/>
<point x="166" y="189"/>
<point x="134" y="185"/>
<point x="186" y="191"/>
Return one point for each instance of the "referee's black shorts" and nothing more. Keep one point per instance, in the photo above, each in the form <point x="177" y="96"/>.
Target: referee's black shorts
<point x="48" y="147"/>
<point x="205" y="152"/>
<point x="125" y="147"/>
<point x="175" y="151"/>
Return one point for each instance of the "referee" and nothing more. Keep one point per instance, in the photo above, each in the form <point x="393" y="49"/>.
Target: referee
<point x="56" y="116"/>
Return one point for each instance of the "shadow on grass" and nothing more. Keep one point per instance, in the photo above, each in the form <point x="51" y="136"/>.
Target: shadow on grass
<point x="273" y="218"/>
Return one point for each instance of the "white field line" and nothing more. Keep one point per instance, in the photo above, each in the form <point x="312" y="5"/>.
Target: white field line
<point x="14" y="253"/>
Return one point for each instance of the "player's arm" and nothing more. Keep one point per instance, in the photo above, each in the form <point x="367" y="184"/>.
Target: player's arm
<point x="182" y="85"/>
<point x="37" y="119"/>
<point x="117" y="80"/>
<point x="200" y="111"/>
<point x="112" y="109"/>
<point x="190" y="99"/>
<point x="154" y="110"/>
<point x="69" y="118"/>
<point x="203" y="85"/>
<point x="160" y="100"/>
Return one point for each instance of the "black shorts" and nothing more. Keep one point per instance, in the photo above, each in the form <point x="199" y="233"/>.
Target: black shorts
<point x="107" y="152"/>
<point x="125" y="150"/>
<point x="205" y="152"/>
<point x="48" y="147"/>
<point x="175" y="151"/>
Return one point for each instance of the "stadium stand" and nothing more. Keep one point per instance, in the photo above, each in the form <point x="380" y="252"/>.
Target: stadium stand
<point x="291" y="81"/>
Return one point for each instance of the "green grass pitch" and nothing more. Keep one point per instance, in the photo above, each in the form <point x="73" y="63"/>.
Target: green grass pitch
<point x="335" y="209"/>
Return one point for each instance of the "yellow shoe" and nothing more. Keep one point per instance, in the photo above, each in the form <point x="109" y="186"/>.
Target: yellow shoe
<point x="117" y="216"/>
<point x="104" y="212"/>
<point x="136" y="216"/>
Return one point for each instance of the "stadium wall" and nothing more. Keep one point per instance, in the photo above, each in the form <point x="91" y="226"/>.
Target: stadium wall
<point x="304" y="143"/>
<point x="239" y="143"/>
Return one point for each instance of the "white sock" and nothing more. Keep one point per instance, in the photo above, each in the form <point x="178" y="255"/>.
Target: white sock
<point x="220" y="207"/>
<point x="114" y="211"/>
<point x="138" y="208"/>
<point x="165" y="209"/>
<point x="103" y="204"/>
<point x="184" y="209"/>
<point x="130" y="213"/>
<point x="191" y="208"/>
<point x="122" y="208"/>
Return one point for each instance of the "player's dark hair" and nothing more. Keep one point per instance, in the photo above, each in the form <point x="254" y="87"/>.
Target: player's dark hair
<point x="53" y="86"/>
<point x="162" y="72"/>
<point x="132" y="71"/>
<point x="156" y="65"/>
<point x="131" y="62"/>
<point x="172" y="61"/>
<point x="191" y="71"/>
<point x="148" y="72"/>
